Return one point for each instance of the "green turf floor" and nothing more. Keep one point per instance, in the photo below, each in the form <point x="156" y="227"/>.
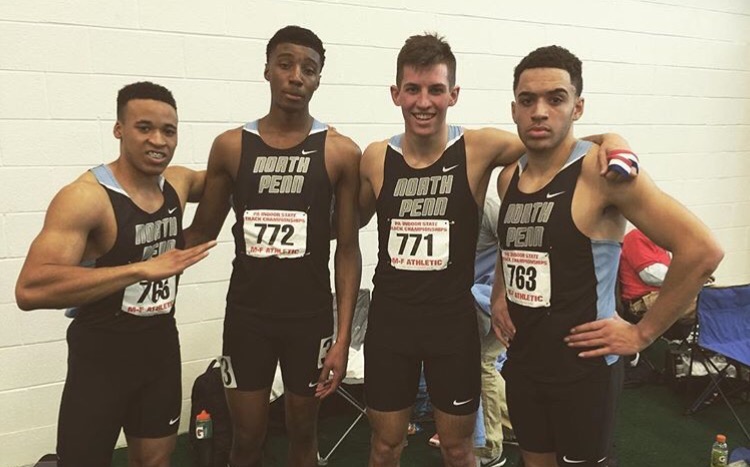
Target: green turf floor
<point x="652" y="431"/>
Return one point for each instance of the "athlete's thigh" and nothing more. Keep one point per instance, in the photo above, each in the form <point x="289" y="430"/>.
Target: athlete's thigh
<point x="391" y="376"/>
<point x="582" y="417"/>
<point x="250" y="352"/>
<point x="452" y="366"/>
<point x="455" y="430"/>
<point x="304" y="345"/>
<point x="154" y="409"/>
<point x="92" y="411"/>
<point x="249" y="413"/>
<point x="529" y="411"/>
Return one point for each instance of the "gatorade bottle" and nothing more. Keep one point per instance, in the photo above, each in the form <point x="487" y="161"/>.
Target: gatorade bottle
<point x="719" y="452"/>
<point x="204" y="431"/>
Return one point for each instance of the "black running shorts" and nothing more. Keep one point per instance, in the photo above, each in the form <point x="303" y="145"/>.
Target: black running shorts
<point x="253" y="344"/>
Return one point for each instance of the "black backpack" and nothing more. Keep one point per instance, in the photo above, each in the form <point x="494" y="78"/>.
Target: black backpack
<point x="208" y="395"/>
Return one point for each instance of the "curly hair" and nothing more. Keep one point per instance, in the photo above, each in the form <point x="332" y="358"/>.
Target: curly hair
<point x="552" y="56"/>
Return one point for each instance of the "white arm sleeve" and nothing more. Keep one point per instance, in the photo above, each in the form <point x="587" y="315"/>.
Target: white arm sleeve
<point x="653" y="275"/>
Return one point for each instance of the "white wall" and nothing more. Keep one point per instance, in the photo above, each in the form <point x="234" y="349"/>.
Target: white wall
<point x="673" y="76"/>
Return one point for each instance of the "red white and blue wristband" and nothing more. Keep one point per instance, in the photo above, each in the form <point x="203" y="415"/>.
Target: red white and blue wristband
<point x="622" y="161"/>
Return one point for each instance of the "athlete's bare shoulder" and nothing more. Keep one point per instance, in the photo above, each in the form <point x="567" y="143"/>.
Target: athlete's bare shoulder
<point x="187" y="182"/>
<point x="341" y="146"/>
<point x="228" y="143"/>
<point x="373" y="157"/>
<point x="590" y="171"/>
<point x="503" y="180"/>
<point x="82" y="201"/>
<point x="226" y="152"/>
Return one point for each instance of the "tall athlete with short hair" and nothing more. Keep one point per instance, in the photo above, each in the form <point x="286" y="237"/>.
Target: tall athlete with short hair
<point x="125" y="217"/>
<point x="560" y="226"/>
<point x="427" y="186"/>
<point x="283" y="173"/>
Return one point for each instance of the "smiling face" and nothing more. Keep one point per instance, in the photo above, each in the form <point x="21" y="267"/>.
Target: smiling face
<point x="424" y="96"/>
<point x="147" y="130"/>
<point x="293" y="72"/>
<point x="545" y="107"/>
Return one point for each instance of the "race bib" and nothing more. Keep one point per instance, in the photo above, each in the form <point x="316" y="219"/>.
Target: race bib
<point x="419" y="244"/>
<point x="282" y="234"/>
<point x="149" y="298"/>
<point x="528" y="281"/>
<point x="227" y="372"/>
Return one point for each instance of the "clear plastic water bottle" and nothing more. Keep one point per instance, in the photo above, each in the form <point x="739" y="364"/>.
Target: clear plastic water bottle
<point x="719" y="452"/>
<point x="204" y="431"/>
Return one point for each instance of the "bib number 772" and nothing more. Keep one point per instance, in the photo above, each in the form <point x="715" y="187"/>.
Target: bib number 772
<point x="275" y="233"/>
<point x="286" y="230"/>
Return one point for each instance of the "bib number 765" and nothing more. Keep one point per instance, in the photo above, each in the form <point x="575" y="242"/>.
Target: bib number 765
<point x="156" y="290"/>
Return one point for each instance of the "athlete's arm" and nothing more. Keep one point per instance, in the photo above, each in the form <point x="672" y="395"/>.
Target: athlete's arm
<point x="51" y="276"/>
<point x="501" y="322"/>
<point x="696" y="254"/>
<point x="499" y="147"/>
<point x="223" y="162"/>
<point x="345" y="156"/>
<point x="505" y="148"/>
<point x="188" y="183"/>
<point x="371" y="166"/>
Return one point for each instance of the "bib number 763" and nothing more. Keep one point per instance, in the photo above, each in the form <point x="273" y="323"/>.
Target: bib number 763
<point x="528" y="279"/>
<point x="523" y="277"/>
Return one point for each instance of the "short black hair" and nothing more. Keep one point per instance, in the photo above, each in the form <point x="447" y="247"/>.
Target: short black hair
<point x="299" y="36"/>
<point x="143" y="90"/>
<point x="552" y="56"/>
<point x="423" y="51"/>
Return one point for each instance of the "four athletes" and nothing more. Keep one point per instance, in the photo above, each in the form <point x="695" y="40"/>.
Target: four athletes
<point x="293" y="183"/>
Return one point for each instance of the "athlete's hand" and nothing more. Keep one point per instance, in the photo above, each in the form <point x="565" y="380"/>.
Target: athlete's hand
<point x="611" y="142"/>
<point x="334" y="370"/>
<point x="607" y="336"/>
<point x="501" y="322"/>
<point x="174" y="261"/>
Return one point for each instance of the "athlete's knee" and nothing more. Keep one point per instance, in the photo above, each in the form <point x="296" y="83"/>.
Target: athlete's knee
<point x="458" y="452"/>
<point x="385" y="450"/>
<point x="457" y="456"/>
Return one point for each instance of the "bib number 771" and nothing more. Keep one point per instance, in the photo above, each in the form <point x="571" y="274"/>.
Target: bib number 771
<point x="419" y="244"/>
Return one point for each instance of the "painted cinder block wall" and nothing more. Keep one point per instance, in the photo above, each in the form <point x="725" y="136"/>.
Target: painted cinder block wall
<point x="672" y="76"/>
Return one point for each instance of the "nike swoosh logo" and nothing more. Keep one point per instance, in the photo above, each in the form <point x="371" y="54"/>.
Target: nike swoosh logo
<point x="457" y="403"/>
<point x="572" y="461"/>
<point x="448" y="169"/>
<point x="552" y="195"/>
<point x="171" y="210"/>
<point x="312" y="385"/>
<point x="304" y="153"/>
<point x="174" y="420"/>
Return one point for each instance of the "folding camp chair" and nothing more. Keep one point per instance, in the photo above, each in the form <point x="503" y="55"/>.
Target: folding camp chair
<point x="723" y="329"/>
<point x="355" y="372"/>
